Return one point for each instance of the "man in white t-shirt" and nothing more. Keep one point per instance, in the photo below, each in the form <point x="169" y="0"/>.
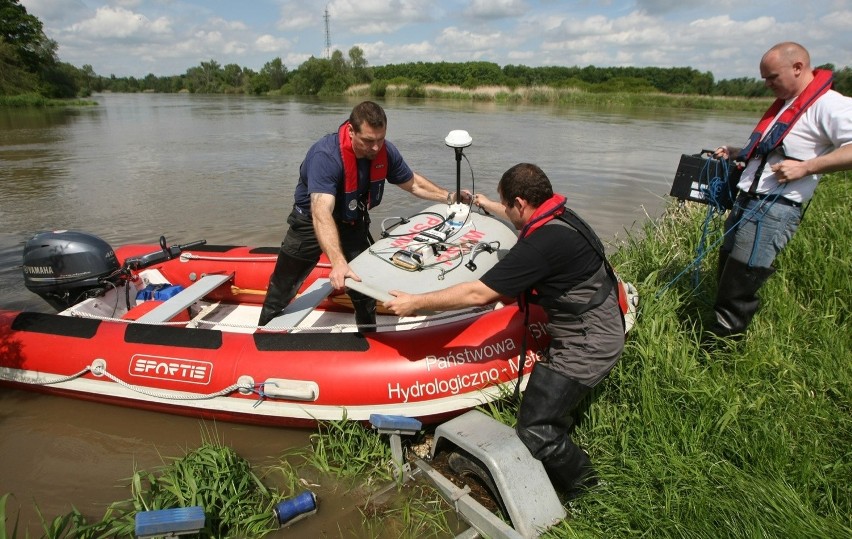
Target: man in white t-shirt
<point x="807" y="132"/>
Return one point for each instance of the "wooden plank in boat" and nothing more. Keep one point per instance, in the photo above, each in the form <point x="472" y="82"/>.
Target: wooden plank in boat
<point x="431" y="252"/>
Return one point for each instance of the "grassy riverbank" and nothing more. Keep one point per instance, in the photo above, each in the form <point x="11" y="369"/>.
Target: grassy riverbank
<point x="36" y="100"/>
<point x="536" y="95"/>
<point x="750" y="439"/>
<point x="746" y="439"/>
<point x="546" y="95"/>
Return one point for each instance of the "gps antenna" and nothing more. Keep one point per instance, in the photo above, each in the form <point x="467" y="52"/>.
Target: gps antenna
<point x="458" y="140"/>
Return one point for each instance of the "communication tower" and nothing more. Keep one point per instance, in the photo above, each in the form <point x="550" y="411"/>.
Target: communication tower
<point x="327" y="17"/>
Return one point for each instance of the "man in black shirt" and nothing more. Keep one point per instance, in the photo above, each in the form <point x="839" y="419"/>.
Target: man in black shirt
<point x="558" y="263"/>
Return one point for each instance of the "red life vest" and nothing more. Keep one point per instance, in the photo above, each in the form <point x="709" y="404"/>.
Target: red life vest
<point x="378" y="173"/>
<point x="760" y="145"/>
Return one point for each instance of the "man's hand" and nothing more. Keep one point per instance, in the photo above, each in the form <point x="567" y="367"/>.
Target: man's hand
<point x="402" y="305"/>
<point x="722" y="152"/>
<point x="789" y="170"/>
<point x="466" y="196"/>
<point x="339" y="273"/>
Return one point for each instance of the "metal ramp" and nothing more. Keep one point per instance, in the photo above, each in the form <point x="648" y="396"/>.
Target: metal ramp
<point x="521" y="481"/>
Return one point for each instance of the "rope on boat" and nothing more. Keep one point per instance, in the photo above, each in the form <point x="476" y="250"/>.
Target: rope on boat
<point x="99" y="369"/>
<point x="41" y="382"/>
<point x="339" y="328"/>
<point x="222" y="393"/>
<point x="193" y="256"/>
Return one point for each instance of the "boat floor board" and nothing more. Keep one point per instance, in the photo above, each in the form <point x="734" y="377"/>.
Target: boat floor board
<point x="302" y="305"/>
<point x="182" y="300"/>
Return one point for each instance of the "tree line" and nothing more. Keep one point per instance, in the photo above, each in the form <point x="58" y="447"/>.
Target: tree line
<point x="28" y="64"/>
<point x="28" y="61"/>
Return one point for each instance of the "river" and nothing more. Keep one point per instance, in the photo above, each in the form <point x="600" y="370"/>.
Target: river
<point x="223" y="168"/>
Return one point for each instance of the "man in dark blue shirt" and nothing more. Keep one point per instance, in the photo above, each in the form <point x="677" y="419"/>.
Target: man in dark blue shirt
<point x="342" y="177"/>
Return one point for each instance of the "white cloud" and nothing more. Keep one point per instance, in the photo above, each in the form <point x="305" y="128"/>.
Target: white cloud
<point x="268" y="43"/>
<point x="295" y="22"/>
<point x="381" y="53"/>
<point x="118" y="22"/>
<point x="495" y="9"/>
<point x="56" y="12"/>
<point x="456" y="41"/>
<point x="379" y="16"/>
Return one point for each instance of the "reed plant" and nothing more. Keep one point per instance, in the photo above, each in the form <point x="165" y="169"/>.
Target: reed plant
<point x="236" y="502"/>
<point x="360" y="459"/>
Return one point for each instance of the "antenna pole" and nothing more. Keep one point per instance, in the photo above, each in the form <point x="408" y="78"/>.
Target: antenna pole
<point x="458" y="174"/>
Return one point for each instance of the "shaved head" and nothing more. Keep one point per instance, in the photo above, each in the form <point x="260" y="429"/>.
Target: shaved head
<point x="786" y="69"/>
<point x="789" y="53"/>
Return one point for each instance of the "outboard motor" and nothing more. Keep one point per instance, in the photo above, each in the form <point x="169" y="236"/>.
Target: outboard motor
<point x="65" y="267"/>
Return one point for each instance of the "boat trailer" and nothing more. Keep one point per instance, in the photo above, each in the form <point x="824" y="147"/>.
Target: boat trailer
<point x="495" y="454"/>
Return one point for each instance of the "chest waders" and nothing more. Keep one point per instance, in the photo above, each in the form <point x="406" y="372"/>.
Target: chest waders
<point x="545" y="415"/>
<point x="738" y="282"/>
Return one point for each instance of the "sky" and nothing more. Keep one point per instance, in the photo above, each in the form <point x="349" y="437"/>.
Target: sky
<point x="167" y="37"/>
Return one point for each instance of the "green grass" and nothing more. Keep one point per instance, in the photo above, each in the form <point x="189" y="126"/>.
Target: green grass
<point x="39" y="101"/>
<point x="236" y="501"/>
<point x="742" y="439"/>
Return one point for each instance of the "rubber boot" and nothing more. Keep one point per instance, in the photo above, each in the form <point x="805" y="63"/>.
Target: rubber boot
<point x="572" y="474"/>
<point x="736" y="298"/>
<point x="284" y="283"/>
<point x="723" y="259"/>
<point x="544" y="421"/>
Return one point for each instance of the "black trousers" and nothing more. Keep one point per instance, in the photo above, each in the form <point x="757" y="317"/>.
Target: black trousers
<point x="300" y="251"/>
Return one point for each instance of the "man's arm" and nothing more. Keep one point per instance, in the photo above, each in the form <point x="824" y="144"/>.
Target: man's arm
<point x="790" y="170"/>
<point x="462" y="295"/>
<point x="322" y="206"/>
<point x="421" y="187"/>
<point x="494" y="208"/>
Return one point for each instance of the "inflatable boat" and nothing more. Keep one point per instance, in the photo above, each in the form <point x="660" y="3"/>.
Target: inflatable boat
<point x="173" y="328"/>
